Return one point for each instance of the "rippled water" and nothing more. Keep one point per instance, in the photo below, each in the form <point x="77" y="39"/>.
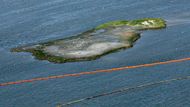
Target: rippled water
<point x="24" y="22"/>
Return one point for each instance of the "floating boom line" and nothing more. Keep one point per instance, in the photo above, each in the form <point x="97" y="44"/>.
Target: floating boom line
<point x="94" y="72"/>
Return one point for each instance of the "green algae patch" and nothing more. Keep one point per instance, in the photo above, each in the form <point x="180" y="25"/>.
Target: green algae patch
<point x="112" y="24"/>
<point x="145" y="23"/>
<point x="92" y="44"/>
<point x="148" y="23"/>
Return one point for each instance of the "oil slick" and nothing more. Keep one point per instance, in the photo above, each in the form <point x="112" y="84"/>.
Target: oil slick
<point x="94" y="43"/>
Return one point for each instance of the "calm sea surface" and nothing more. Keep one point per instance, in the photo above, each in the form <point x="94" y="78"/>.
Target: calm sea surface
<point x="33" y="21"/>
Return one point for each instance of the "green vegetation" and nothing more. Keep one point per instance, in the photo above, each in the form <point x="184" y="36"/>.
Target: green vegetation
<point x="145" y="23"/>
<point x="112" y="24"/>
<point x="148" y="23"/>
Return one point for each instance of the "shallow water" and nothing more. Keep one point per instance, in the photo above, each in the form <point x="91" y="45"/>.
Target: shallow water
<point x="24" y="22"/>
<point x="86" y="46"/>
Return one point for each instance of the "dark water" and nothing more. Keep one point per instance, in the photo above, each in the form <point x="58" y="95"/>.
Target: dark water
<point x="33" y="21"/>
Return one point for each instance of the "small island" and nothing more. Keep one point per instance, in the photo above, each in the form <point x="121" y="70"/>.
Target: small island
<point x="94" y="43"/>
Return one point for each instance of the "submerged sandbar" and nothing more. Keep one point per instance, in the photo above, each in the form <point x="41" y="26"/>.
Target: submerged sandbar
<point x="94" y="43"/>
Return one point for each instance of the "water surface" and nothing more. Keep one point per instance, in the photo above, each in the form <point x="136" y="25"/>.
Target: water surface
<point x="24" y="22"/>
